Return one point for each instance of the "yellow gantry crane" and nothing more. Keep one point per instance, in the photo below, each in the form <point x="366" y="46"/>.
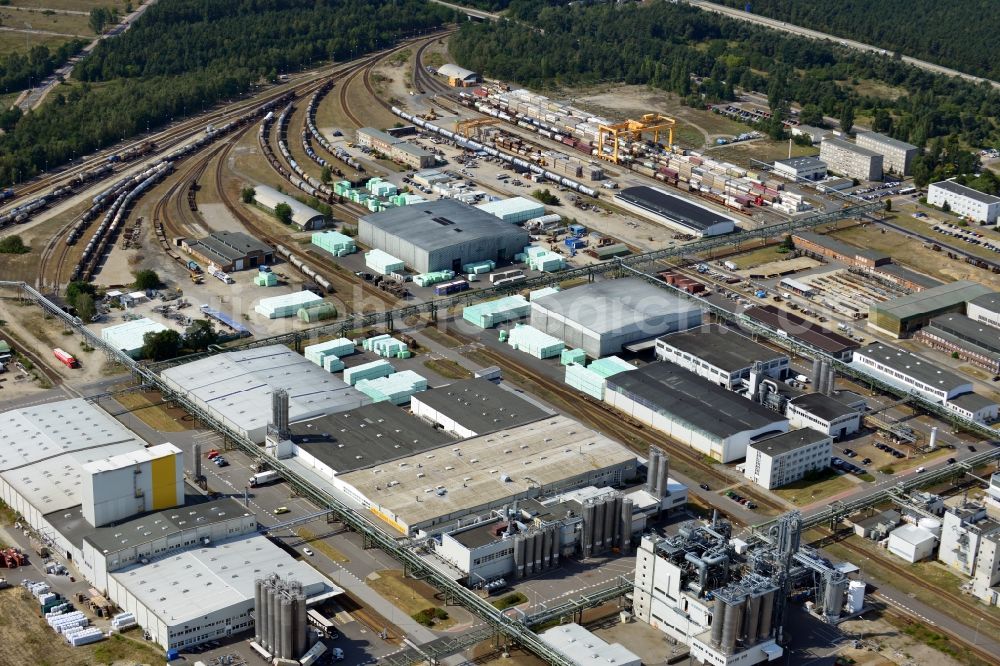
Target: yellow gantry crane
<point x="632" y="130"/>
<point x="467" y="127"/>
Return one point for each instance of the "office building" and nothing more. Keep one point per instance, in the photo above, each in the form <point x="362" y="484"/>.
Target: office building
<point x="837" y="416"/>
<point x="782" y="459"/>
<point x="847" y="159"/>
<point x="965" y="201"/>
<point x="396" y="149"/>
<point x="897" y="156"/>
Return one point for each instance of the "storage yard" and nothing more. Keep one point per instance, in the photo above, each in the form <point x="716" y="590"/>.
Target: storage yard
<point x="627" y="408"/>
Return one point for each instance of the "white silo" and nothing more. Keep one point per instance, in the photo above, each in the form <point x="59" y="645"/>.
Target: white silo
<point x="932" y="525"/>
<point x="855" y="597"/>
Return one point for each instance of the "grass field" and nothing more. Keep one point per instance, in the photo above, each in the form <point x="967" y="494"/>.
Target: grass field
<point x="759" y="256"/>
<point x="148" y="410"/>
<point x="26" y="639"/>
<point x="763" y="150"/>
<point x="448" y="369"/>
<point x="804" y="492"/>
<point x="316" y="542"/>
<point x="410" y="596"/>
<point x="71" y="5"/>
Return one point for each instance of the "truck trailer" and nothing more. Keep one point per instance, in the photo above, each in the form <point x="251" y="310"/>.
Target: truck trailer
<point x="264" y="478"/>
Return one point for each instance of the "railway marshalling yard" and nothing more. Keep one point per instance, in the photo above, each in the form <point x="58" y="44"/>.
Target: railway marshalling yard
<point x="202" y="195"/>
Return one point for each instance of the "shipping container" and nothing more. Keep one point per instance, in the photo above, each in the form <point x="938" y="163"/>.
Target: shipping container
<point x="65" y="358"/>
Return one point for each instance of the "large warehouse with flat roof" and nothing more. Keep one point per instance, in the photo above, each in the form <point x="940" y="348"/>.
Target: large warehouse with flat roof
<point x="603" y="317"/>
<point x="431" y="489"/>
<point x="236" y="387"/>
<point x="899" y="317"/>
<point x="692" y="410"/>
<point x="682" y="214"/>
<point x="909" y="372"/>
<point x="721" y="355"/>
<point x="474" y="407"/>
<point x="442" y="235"/>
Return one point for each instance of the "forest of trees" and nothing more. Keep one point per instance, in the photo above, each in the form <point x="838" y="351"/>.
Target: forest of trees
<point x="184" y="56"/>
<point x="24" y="70"/>
<point x="961" y="34"/>
<point x="666" y="46"/>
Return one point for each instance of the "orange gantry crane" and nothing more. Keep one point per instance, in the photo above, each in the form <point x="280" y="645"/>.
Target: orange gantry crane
<point x="467" y="127"/>
<point x="632" y="130"/>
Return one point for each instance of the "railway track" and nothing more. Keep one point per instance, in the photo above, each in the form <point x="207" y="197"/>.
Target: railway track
<point x="597" y="415"/>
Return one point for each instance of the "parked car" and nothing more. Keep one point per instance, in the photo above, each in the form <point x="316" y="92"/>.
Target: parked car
<point x="280" y="510"/>
<point x="866" y="461"/>
<point x="921" y="470"/>
<point x="972" y="448"/>
<point x="308" y="551"/>
<point x="951" y="461"/>
<point x="704" y="486"/>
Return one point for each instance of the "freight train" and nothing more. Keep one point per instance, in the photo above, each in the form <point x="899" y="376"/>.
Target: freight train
<point x="23" y="213"/>
<point x="116" y="201"/>
<point x="294" y="260"/>
<point x="476" y="146"/>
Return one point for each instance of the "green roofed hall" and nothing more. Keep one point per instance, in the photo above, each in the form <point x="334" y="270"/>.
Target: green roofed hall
<point x="901" y="316"/>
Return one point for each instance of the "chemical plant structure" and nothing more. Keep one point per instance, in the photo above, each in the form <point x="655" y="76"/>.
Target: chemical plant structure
<point x="726" y="597"/>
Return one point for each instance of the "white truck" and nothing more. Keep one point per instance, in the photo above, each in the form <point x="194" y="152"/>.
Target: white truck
<point x="263" y="478"/>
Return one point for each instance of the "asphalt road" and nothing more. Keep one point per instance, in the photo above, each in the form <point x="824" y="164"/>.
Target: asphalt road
<point x="806" y="32"/>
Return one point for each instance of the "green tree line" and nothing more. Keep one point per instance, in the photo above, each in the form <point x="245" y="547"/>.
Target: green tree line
<point x="184" y="56"/>
<point x="961" y="34"/>
<point x="21" y="70"/>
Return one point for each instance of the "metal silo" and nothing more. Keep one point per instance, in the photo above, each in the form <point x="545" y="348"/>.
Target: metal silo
<point x="598" y="544"/>
<point x="766" y="615"/>
<point x="518" y="556"/>
<point x="537" y="541"/>
<point x="731" y="629"/>
<point x="587" y="538"/>
<point x="626" y="520"/>
<point x="652" y="464"/>
<point x="718" y="621"/>
<point x="661" y="476"/>
<point x="301" y="624"/>
<point x="287" y="637"/>
<point x="817" y="374"/>
<point x="556" y="544"/>
<point x="258" y="606"/>
<point x="610" y="521"/>
<point x="753" y="618"/>
<point x="197" y="461"/>
<point x="546" y="548"/>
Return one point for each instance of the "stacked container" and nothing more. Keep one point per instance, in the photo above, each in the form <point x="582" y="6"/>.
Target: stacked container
<point x="491" y="313"/>
<point x="571" y="356"/>
<point x="383" y="263"/>
<point x="385" y="346"/>
<point x="338" y="347"/>
<point x="263" y="279"/>
<point x="372" y="370"/>
<point x="592" y="380"/>
<point x="334" y="242"/>
<point x="532" y="341"/>
<point x="428" y="279"/>
<point x="396" y="388"/>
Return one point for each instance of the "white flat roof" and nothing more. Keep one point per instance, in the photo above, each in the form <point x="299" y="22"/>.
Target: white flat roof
<point x="131" y="458"/>
<point x="129" y="336"/>
<point x="185" y="586"/>
<point x="586" y="649"/>
<point x="543" y="453"/>
<point x="238" y="385"/>
<point x="40" y="432"/>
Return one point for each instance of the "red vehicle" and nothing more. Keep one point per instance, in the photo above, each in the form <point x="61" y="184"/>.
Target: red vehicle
<point x="65" y="358"/>
<point x="212" y="454"/>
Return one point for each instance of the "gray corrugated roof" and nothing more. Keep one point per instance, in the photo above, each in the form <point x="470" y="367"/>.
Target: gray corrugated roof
<point x="162" y="524"/>
<point x="232" y="245"/>
<point x="435" y="225"/>
<point x="789" y="441"/>
<point x="967" y="330"/>
<point x="887" y="140"/>
<point x="975" y="195"/>
<point x="972" y="402"/>
<point x="673" y="390"/>
<point x="853" y="147"/>
<point x="611" y="305"/>
<point x="839" y="246"/>
<point x="672" y="207"/>
<point x="481" y="406"/>
<point x="989" y="301"/>
<point x="906" y="274"/>
<point x="931" y="300"/>
<point x="370" y="435"/>
<point x="912" y="365"/>
<point x="824" y="406"/>
<point x="721" y="347"/>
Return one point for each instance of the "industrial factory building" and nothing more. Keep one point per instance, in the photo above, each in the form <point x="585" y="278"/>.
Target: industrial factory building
<point x="850" y="160"/>
<point x="230" y="251"/>
<point x="604" y="317"/>
<point x="236" y="387"/>
<point x="780" y="460"/>
<point x="985" y="309"/>
<point x="395" y="148"/>
<point x="673" y="211"/>
<point x="721" y="355"/>
<point x="692" y="410"/>
<point x="185" y="597"/>
<point x="973" y="342"/>
<point x="430" y="490"/>
<point x="970" y="544"/>
<point x="458" y="76"/>
<point x="831" y="248"/>
<point x="586" y="648"/>
<point x="801" y="168"/>
<point x="442" y="235"/>
<point x="304" y="218"/>
<point x="803" y="331"/>
<point x="515" y="210"/>
<point x="131" y="335"/>
<point x="911" y="373"/>
<point x="965" y="201"/>
<point x="899" y="317"/>
<point x="473" y="407"/>
<point x="531" y="535"/>
<point x="897" y="156"/>
<point x="835" y="415"/>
